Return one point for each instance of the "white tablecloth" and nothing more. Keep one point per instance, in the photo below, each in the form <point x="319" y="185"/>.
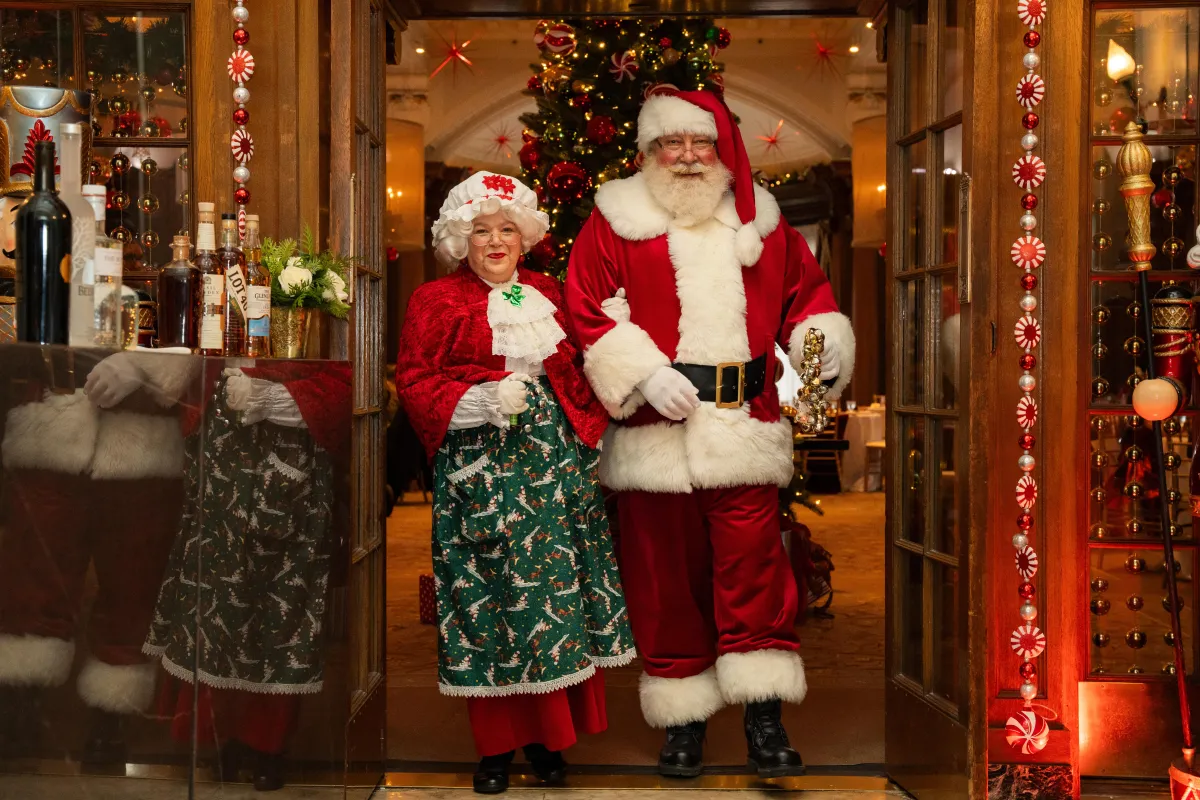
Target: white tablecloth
<point x="867" y="425"/>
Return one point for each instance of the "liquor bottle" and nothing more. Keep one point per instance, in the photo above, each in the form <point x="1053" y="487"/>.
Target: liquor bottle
<point x="210" y="308"/>
<point x="108" y="327"/>
<point x="83" y="237"/>
<point x="258" y="306"/>
<point x="178" y="289"/>
<point x="233" y="260"/>
<point x="43" y="263"/>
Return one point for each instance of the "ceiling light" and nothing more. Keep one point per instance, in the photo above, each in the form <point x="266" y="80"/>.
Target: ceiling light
<point x="853" y="48"/>
<point x="420" y="51"/>
<point x="871" y="25"/>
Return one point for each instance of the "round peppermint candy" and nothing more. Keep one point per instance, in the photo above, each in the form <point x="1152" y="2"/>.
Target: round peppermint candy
<point x="240" y="66"/>
<point x="1027" y="332"/>
<point x="1026" y="732"/>
<point x="1027" y="563"/>
<point x="1027" y="492"/>
<point x="1027" y="641"/>
<point x="1027" y="412"/>
<point x="1030" y="91"/>
<point x="1029" y="172"/>
<point x="1032" y="12"/>
<point x="241" y="144"/>
<point x="1028" y="252"/>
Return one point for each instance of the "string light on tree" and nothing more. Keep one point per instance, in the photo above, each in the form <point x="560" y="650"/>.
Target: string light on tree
<point x="240" y="68"/>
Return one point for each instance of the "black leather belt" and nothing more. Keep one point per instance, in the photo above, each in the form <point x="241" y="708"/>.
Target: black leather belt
<point x="728" y="384"/>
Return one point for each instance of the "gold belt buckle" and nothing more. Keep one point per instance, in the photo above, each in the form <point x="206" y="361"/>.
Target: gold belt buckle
<point x="741" y="384"/>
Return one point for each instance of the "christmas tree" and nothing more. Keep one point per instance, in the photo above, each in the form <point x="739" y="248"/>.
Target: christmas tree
<point x="590" y="84"/>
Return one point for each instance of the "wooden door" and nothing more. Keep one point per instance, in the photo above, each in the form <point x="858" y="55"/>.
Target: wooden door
<point x="934" y="660"/>
<point x="357" y="38"/>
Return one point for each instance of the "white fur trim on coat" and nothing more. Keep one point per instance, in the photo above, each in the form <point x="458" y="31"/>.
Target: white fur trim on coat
<point x="678" y="701"/>
<point x="664" y="114"/>
<point x="761" y="675"/>
<point x="715" y="448"/>
<point x="137" y="446"/>
<point x="56" y="434"/>
<point x="617" y="362"/>
<point x="125" y="689"/>
<point x="836" y="328"/>
<point x="35" y="660"/>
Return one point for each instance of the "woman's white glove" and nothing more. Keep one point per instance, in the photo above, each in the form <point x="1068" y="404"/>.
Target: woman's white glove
<point x="511" y="392"/>
<point x="258" y="400"/>
<point x="113" y="379"/>
<point x="670" y="393"/>
<point x="831" y="360"/>
<point x="616" y="307"/>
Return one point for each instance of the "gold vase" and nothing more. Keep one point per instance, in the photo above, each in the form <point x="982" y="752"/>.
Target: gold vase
<point x="289" y="329"/>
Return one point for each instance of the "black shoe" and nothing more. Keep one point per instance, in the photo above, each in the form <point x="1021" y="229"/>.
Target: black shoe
<point x="682" y="755"/>
<point x="268" y="772"/>
<point x="21" y="722"/>
<point x="229" y="761"/>
<point x="548" y="765"/>
<point x="106" y="739"/>
<point x="769" y="751"/>
<point x="492" y="775"/>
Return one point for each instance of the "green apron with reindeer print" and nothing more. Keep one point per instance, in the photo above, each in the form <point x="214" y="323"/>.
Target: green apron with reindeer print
<point x="528" y="595"/>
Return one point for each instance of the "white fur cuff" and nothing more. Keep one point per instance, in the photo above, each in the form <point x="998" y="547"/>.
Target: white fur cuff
<point x="836" y="328"/>
<point x="617" y="362"/>
<point x="761" y="675"/>
<point x="126" y="689"/>
<point x="35" y="660"/>
<point x="678" y="701"/>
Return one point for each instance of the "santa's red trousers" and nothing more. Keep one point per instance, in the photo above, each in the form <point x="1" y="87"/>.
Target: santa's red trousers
<point x="263" y="722"/>
<point x="554" y="719"/>
<point x="705" y="574"/>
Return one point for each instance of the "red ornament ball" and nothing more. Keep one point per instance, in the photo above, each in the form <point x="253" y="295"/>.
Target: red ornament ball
<point x="241" y="37"/>
<point x="1032" y="38"/>
<point x="1026" y="441"/>
<point x="164" y="77"/>
<point x="241" y="196"/>
<point x="724" y="37"/>
<point x="1029" y="202"/>
<point x="601" y="130"/>
<point x="567" y="181"/>
<point x="530" y="155"/>
<point x="664" y="42"/>
<point x="1027" y="361"/>
<point x="1161" y="198"/>
<point x="241" y="116"/>
<point x="534" y="84"/>
<point x="1025" y="521"/>
<point x="1027" y="670"/>
<point x="1030" y="120"/>
<point x="544" y="252"/>
<point x="1026" y="591"/>
<point x="1120" y="118"/>
<point x="582" y="101"/>
<point x="1029" y="281"/>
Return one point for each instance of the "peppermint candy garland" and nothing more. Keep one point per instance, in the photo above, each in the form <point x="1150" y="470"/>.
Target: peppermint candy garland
<point x="1027" y="731"/>
<point x="240" y="68"/>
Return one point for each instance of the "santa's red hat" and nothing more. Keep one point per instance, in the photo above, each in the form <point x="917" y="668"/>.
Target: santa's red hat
<point x="703" y="113"/>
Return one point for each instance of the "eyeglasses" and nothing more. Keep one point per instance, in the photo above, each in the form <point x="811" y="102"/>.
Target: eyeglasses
<point x="507" y="235"/>
<point x="676" y="144"/>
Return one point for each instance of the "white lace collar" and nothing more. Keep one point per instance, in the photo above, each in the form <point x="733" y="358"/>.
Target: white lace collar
<point x="522" y="321"/>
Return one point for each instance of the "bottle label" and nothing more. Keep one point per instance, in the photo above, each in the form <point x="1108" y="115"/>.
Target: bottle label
<point x="259" y="311"/>
<point x="107" y="262"/>
<point x="212" y="332"/>
<point x="237" y="289"/>
<point x="214" y="290"/>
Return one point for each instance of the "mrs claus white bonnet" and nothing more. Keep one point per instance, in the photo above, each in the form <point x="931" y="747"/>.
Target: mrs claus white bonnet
<point x="486" y="193"/>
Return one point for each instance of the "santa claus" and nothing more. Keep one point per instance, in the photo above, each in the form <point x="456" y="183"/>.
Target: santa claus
<point x="679" y="287"/>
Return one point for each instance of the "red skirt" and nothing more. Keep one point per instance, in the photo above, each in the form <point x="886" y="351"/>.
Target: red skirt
<point x="263" y="722"/>
<point x="502" y="724"/>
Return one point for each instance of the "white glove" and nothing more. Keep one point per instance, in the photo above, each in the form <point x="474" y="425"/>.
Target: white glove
<point x="670" y="393"/>
<point x="113" y="379"/>
<point x="616" y="307"/>
<point x="511" y="392"/>
<point x="239" y="389"/>
<point x="831" y="360"/>
<point x="1193" y="256"/>
<point x="259" y="400"/>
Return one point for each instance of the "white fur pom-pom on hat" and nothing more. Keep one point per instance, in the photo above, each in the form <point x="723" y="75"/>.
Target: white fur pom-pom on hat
<point x="481" y="194"/>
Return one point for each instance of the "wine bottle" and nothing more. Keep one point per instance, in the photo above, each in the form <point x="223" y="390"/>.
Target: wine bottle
<point x="210" y="310"/>
<point x="236" y="295"/>
<point x="108" y="265"/>
<point x="83" y="238"/>
<point x="178" y="288"/>
<point x="258" y="306"/>
<point x="43" y="263"/>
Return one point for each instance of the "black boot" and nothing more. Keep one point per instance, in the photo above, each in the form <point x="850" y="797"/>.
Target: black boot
<point x="548" y="765"/>
<point x="268" y="772"/>
<point x="106" y="739"/>
<point x="767" y="741"/>
<point x="492" y="775"/>
<point x="229" y="761"/>
<point x="682" y="755"/>
<point x="20" y="721"/>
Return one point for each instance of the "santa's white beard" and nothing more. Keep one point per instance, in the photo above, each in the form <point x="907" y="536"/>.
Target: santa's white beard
<point x="690" y="200"/>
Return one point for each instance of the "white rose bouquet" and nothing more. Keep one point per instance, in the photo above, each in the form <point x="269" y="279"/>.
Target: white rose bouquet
<point x="302" y="277"/>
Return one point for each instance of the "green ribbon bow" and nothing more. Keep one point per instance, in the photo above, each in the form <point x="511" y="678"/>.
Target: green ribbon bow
<point x="516" y="295"/>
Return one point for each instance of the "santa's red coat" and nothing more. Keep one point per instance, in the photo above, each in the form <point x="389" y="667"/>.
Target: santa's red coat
<point x="692" y="300"/>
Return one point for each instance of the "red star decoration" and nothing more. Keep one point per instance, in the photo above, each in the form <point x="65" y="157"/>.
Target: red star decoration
<point x="824" y="57"/>
<point x="772" y="140"/>
<point x="502" y="143"/>
<point x="454" y="54"/>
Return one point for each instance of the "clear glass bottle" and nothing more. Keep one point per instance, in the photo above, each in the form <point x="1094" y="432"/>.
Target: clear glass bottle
<point x="83" y="236"/>
<point x="258" y="305"/>
<point x="178" y="288"/>
<point x="108" y="268"/>
<point x="233" y="260"/>
<point x="210" y="306"/>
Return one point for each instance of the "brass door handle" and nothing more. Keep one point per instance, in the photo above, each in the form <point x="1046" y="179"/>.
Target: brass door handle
<point x="965" y="250"/>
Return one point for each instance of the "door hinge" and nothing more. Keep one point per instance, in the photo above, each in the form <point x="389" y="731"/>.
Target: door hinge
<point x="993" y="338"/>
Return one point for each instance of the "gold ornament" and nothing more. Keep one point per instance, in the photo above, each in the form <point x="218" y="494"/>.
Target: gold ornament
<point x="814" y="410"/>
<point x="1134" y="162"/>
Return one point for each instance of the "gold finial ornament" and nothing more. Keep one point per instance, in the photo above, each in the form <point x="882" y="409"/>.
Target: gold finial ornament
<point x="814" y="412"/>
<point x="1133" y="163"/>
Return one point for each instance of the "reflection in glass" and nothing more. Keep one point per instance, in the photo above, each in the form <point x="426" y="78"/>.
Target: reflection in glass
<point x="914" y="200"/>
<point x="918" y="32"/>
<point x="946" y="532"/>
<point x="911" y="296"/>
<point x="149" y="199"/>
<point x="910" y="580"/>
<point x="37" y="47"/>
<point x="949" y="633"/>
<point x="912" y="492"/>
<point x="951" y="178"/>
<point x="947" y="378"/>
<point x="953" y="39"/>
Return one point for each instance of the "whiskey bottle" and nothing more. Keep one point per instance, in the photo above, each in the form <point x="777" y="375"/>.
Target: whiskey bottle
<point x="108" y="262"/>
<point x="233" y="260"/>
<point x="210" y="306"/>
<point x="43" y="263"/>
<point x="258" y="306"/>
<point x="178" y="289"/>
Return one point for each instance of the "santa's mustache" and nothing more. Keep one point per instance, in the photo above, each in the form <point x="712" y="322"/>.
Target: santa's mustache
<point x="695" y="168"/>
